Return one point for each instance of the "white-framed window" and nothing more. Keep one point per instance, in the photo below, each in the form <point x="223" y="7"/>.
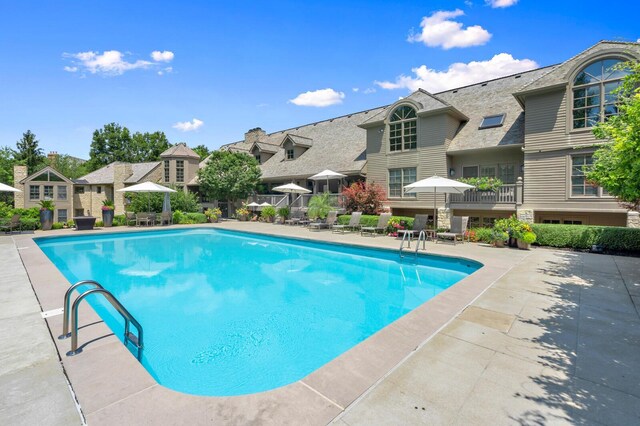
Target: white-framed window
<point x="403" y="129"/>
<point x="34" y="192"/>
<point x="62" y="215"/>
<point x="48" y="192"/>
<point x="62" y="192"/>
<point x="580" y="187"/>
<point x="167" y="175"/>
<point x="593" y="100"/>
<point x="470" y="171"/>
<point x="179" y="170"/>
<point x="290" y="154"/>
<point x="492" y="121"/>
<point x="398" y="178"/>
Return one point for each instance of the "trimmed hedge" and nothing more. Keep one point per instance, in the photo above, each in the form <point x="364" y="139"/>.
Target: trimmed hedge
<point x="610" y="238"/>
<point x="372" y="220"/>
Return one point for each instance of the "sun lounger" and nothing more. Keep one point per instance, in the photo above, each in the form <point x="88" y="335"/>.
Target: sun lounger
<point x="354" y="223"/>
<point x="332" y="217"/>
<point x="458" y="228"/>
<point x="383" y="221"/>
<point x="419" y="223"/>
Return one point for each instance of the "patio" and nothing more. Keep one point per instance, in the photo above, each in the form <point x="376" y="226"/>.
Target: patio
<point x="534" y="337"/>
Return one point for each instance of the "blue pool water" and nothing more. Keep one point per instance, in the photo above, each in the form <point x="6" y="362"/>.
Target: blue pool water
<point x="228" y="313"/>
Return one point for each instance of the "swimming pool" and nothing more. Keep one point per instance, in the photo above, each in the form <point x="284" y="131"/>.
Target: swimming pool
<point x="230" y="313"/>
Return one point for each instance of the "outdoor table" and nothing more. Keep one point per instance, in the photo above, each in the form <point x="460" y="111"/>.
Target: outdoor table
<point x="84" y="223"/>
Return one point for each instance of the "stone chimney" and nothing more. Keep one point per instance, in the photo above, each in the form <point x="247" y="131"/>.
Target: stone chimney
<point x="254" y="135"/>
<point x="19" y="173"/>
<point x="121" y="171"/>
<point x="52" y="156"/>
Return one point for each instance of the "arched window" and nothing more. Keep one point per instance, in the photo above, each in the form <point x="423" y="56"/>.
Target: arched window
<point x="402" y="129"/>
<point x="593" y="100"/>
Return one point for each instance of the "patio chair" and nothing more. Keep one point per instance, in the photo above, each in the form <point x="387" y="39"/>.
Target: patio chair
<point x="458" y="228"/>
<point x="295" y="218"/>
<point x="332" y="217"/>
<point x="130" y="218"/>
<point x="419" y="223"/>
<point x="383" y="221"/>
<point x="354" y="223"/>
<point x="166" y="218"/>
<point x="142" y="219"/>
<point x="12" y="225"/>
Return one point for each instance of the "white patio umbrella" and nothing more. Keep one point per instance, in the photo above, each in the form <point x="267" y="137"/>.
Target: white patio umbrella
<point x="253" y="205"/>
<point x="146" y="187"/>
<point x="437" y="185"/>
<point x="7" y="188"/>
<point x="291" y="188"/>
<point x="327" y="174"/>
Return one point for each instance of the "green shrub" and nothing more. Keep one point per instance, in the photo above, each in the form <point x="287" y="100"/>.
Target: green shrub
<point x="483" y="235"/>
<point x="99" y="224"/>
<point x="529" y="237"/>
<point x="268" y="212"/>
<point x="584" y="236"/>
<point x="178" y="217"/>
<point x="119" y="220"/>
<point x="284" y="212"/>
<point x="57" y="225"/>
<point x="372" y="220"/>
<point x="191" y="218"/>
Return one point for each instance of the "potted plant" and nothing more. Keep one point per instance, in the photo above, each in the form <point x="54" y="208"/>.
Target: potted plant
<point x="319" y="206"/>
<point x="499" y="237"/>
<point x="526" y="240"/>
<point x="107" y="213"/>
<point x="284" y="213"/>
<point x="46" y="214"/>
<point x="213" y="214"/>
<point x="242" y="214"/>
<point x="268" y="213"/>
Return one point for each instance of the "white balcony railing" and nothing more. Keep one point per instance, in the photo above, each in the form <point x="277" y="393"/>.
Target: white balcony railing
<point x="506" y="194"/>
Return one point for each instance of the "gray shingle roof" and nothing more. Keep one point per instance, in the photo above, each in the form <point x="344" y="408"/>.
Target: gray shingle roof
<point x="104" y="175"/>
<point x="265" y="147"/>
<point x="180" y="150"/>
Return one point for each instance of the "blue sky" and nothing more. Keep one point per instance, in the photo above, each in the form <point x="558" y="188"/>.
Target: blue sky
<point x="204" y="72"/>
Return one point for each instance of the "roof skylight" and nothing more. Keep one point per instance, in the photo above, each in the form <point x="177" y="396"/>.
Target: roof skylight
<point x="492" y="121"/>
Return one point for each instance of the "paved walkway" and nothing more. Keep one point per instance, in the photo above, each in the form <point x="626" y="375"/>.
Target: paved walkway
<point x="555" y="341"/>
<point x="33" y="388"/>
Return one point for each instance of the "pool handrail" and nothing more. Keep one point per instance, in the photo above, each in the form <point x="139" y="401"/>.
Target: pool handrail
<point x="67" y="300"/>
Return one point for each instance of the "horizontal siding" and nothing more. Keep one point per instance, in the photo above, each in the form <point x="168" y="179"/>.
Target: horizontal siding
<point x="545" y="177"/>
<point x="489" y="157"/>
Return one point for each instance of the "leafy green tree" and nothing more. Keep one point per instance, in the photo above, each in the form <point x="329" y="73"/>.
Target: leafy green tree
<point x="116" y="143"/>
<point x="28" y="153"/>
<point x="186" y="202"/>
<point x="616" y="165"/>
<point x="6" y="165"/>
<point x="229" y="176"/>
<point x="70" y="167"/>
<point x="202" y="151"/>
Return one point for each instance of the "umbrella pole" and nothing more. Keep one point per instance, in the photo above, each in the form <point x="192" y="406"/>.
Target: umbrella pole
<point x="435" y="213"/>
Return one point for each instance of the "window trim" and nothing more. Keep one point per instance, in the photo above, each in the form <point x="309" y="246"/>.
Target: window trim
<point x="179" y="170"/>
<point x="570" y="196"/>
<point x="402" y="123"/>
<point x="34" y="192"/>
<point x="403" y="195"/>
<point x="502" y="116"/>
<point x="167" y="171"/>
<point x="288" y="151"/>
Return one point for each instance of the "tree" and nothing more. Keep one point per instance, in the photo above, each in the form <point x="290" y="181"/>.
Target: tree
<point x="364" y="197"/>
<point x="115" y="143"/>
<point x="202" y="151"/>
<point x="6" y="165"/>
<point x="616" y="165"/>
<point x="229" y="175"/>
<point x="28" y="153"/>
<point x="70" y="167"/>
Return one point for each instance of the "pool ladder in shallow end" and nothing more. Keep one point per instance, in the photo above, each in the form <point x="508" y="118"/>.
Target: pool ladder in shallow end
<point x="137" y="341"/>
<point x="421" y="237"/>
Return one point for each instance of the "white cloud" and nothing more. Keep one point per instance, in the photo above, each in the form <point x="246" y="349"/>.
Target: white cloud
<point x="167" y="70"/>
<point x="460" y="74"/>
<point x="440" y="30"/>
<point x="369" y="91"/>
<point x="165" y="56"/>
<point x="318" y="98"/>
<point x="71" y="69"/>
<point x="188" y="126"/>
<point x="355" y="89"/>
<point x="110" y="62"/>
<point x="500" y="3"/>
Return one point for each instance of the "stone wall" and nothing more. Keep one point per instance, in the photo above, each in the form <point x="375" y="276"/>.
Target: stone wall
<point x="121" y="172"/>
<point x="525" y="215"/>
<point x="444" y="217"/>
<point x="633" y="219"/>
<point x="19" y="173"/>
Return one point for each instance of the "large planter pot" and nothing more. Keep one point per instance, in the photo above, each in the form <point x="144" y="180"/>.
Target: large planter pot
<point x="522" y="245"/>
<point x="107" y="218"/>
<point x="499" y="243"/>
<point x="513" y="242"/>
<point x="46" y="219"/>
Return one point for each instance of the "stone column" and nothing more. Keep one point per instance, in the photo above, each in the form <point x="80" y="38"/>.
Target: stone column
<point x="525" y="215"/>
<point x="633" y="219"/>
<point x="444" y="217"/>
<point x="19" y="173"/>
<point x="121" y="171"/>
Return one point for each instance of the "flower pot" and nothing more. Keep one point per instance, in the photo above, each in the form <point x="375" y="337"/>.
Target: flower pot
<point x="46" y="219"/>
<point x="522" y="245"/>
<point x="499" y="243"/>
<point x="513" y="242"/>
<point x="107" y="218"/>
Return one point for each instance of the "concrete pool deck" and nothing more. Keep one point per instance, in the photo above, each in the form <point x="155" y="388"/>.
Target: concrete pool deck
<point x="534" y="337"/>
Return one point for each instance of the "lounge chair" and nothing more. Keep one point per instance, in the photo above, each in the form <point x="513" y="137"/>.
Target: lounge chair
<point x="458" y="228"/>
<point x="419" y="223"/>
<point x="12" y="225"/>
<point x="332" y="217"/>
<point x="354" y="223"/>
<point x="383" y="221"/>
<point x="166" y="218"/>
<point x="295" y="218"/>
<point x="130" y="218"/>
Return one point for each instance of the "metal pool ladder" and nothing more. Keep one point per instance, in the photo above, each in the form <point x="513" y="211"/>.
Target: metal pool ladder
<point x="73" y="314"/>
<point x="421" y="237"/>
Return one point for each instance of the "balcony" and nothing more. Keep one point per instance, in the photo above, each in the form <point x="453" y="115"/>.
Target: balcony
<point x="506" y="194"/>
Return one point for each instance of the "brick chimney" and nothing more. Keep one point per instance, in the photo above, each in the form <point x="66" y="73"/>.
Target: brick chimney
<point x="254" y="135"/>
<point x="19" y="173"/>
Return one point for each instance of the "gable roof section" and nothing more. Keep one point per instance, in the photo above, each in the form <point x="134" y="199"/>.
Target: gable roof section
<point x="140" y="170"/>
<point x="180" y="150"/>
<point x="559" y="75"/>
<point x="44" y="170"/>
<point x="265" y="147"/>
<point x="105" y="176"/>
<point x="298" y="140"/>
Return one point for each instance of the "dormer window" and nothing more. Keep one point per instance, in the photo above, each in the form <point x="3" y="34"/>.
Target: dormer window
<point x="257" y="157"/>
<point x="403" y="135"/>
<point x="492" y="121"/>
<point x="593" y="97"/>
<point x="290" y="154"/>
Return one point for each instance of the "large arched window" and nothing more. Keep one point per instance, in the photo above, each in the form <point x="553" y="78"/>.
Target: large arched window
<point x="593" y="100"/>
<point x="403" y="129"/>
